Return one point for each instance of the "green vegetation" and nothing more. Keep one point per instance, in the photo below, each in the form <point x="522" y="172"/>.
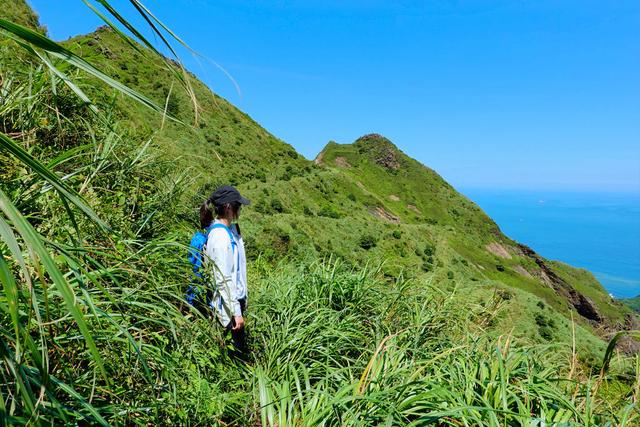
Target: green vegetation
<point x="376" y="296"/>
<point x="633" y="303"/>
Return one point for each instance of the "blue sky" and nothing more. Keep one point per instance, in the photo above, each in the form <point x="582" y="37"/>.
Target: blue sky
<point x="491" y="94"/>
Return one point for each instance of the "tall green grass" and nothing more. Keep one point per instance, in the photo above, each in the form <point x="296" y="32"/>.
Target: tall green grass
<point x="404" y="354"/>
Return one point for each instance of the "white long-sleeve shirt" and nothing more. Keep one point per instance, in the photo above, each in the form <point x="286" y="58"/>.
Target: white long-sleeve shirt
<point x="227" y="266"/>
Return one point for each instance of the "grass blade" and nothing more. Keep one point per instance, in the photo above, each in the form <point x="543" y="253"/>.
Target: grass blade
<point x="33" y="239"/>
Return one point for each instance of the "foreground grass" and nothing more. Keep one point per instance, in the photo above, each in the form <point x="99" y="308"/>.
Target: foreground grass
<point x="339" y="347"/>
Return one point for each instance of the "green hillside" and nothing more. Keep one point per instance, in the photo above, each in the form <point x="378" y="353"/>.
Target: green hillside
<point x="353" y="199"/>
<point x="360" y="190"/>
<point x="380" y="294"/>
<point x="634" y="303"/>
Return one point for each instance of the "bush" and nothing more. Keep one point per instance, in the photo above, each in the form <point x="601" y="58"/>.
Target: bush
<point x="429" y="250"/>
<point x="546" y="332"/>
<point x="500" y="267"/>
<point x="450" y="275"/>
<point x="172" y="104"/>
<point x="351" y="197"/>
<point x="367" y="241"/>
<point x="542" y="320"/>
<point x="397" y="234"/>
<point x="260" y="207"/>
<point x="277" y="206"/>
<point x="504" y="295"/>
<point x="329" y="212"/>
<point x="307" y="211"/>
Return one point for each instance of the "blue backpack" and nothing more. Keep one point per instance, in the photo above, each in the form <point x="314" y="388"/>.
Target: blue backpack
<point x="196" y="289"/>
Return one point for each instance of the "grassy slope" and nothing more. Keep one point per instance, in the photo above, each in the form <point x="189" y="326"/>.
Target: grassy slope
<point x="303" y="210"/>
<point x="634" y="303"/>
<point x="18" y="11"/>
<point x="417" y="195"/>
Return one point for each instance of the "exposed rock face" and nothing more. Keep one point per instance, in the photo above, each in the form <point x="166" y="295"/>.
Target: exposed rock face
<point x="522" y="271"/>
<point x="388" y="160"/>
<point x="394" y="198"/>
<point x="628" y="344"/>
<point x="381" y="150"/>
<point x="414" y="208"/>
<point x="585" y="307"/>
<point x="498" y="250"/>
<point x="342" y="162"/>
<point x="384" y="214"/>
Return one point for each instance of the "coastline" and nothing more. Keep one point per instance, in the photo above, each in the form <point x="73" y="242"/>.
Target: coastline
<point x="597" y="231"/>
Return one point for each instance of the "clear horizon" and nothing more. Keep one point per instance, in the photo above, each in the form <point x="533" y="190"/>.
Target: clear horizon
<point x="490" y="94"/>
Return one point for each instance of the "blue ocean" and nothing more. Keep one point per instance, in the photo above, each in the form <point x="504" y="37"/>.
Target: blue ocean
<point x="596" y="231"/>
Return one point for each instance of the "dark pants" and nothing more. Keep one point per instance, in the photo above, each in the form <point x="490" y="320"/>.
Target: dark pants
<point x="240" y="336"/>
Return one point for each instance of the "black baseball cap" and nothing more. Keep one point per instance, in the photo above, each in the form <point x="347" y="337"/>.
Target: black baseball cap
<point x="227" y="194"/>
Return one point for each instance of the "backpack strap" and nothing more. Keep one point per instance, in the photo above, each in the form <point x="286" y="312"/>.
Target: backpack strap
<point x="233" y="241"/>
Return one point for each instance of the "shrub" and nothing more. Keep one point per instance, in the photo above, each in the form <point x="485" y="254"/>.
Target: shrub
<point x="542" y="320"/>
<point x="450" y="275"/>
<point x="260" y="207"/>
<point x="367" y="241"/>
<point x="429" y="250"/>
<point x="397" y="234"/>
<point x="352" y="197"/>
<point x="329" y="212"/>
<point x="277" y="206"/>
<point x="172" y="104"/>
<point x="504" y="295"/>
<point x="307" y="211"/>
<point x="546" y="332"/>
<point x="500" y="267"/>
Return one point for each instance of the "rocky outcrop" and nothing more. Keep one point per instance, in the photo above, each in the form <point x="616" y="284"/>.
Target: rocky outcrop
<point x="498" y="250"/>
<point x="522" y="271"/>
<point x="381" y="150"/>
<point x="583" y="305"/>
<point x="384" y="214"/>
<point x="341" y="162"/>
<point x="387" y="159"/>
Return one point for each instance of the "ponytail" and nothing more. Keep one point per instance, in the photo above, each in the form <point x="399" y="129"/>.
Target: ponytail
<point x="206" y="215"/>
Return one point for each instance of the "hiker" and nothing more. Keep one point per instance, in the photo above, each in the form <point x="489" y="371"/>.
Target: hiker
<point x="226" y="262"/>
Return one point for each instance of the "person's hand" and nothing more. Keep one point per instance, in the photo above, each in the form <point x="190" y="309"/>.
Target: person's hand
<point x="238" y="323"/>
